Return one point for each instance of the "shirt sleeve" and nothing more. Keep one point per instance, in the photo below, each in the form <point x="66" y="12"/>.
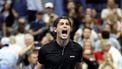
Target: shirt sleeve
<point x="41" y="56"/>
<point x="80" y="56"/>
<point x="104" y="14"/>
<point x="119" y="11"/>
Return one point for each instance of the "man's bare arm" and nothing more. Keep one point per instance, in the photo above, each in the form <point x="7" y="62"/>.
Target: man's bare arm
<point x="39" y="66"/>
<point x="79" y="65"/>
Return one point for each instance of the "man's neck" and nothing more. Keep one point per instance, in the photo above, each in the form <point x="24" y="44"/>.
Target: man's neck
<point x="62" y="42"/>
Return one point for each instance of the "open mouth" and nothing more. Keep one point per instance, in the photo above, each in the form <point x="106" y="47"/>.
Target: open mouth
<point x="64" y="31"/>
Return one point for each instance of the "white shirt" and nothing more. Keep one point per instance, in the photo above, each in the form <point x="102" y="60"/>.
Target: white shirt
<point x="9" y="56"/>
<point x="117" y="57"/>
<point x="35" y="5"/>
<point x="15" y="48"/>
<point x="106" y="12"/>
<point x="47" y="17"/>
<point x="79" y="32"/>
<point x="20" y="40"/>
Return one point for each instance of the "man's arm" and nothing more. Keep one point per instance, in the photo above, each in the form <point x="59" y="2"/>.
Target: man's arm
<point x="79" y="65"/>
<point x="38" y="31"/>
<point x="39" y="66"/>
<point x="23" y="51"/>
<point x="79" y="60"/>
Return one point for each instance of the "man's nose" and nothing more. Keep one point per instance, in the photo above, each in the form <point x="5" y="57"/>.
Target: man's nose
<point x="64" y="26"/>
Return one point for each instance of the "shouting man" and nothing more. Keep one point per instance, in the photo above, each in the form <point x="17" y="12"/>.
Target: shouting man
<point x="62" y="53"/>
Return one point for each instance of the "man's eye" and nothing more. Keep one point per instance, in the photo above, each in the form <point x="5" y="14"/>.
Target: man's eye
<point x="67" y="23"/>
<point x="61" y="23"/>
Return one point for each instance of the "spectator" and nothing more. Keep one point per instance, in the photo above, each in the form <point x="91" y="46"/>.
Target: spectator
<point x="32" y="59"/>
<point x="107" y="63"/>
<point x="96" y="20"/>
<point x="87" y="34"/>
<point x="107" y="47"/>
<point x="88" y="55"/>
<point x="80" y="14"/>
<point x="32" y="7"/>
<point x="8" y="61"/>
<point x="106" y="35"/>
<point x="49" y="16"/>
<point x="38" y="27"/>
<point x="72" y="13"/>
<point x="89" y="21"/>
<point x="89" y="11"/>
<point x="2" y="2"/>
<point x="8" y="16"/>
<point x="20" y="32"/>
<point x="29" y="41"/>
<point x="14" y="53"/>
<point x="111" y="10"/>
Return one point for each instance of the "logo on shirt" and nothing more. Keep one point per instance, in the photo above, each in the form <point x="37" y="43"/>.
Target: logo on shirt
<point x="72" y="56"/>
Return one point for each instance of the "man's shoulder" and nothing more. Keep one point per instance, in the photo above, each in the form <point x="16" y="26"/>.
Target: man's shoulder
<point x="113" y="40"/>
<point x="48" y="45"/>
<point x="75" y="44"/>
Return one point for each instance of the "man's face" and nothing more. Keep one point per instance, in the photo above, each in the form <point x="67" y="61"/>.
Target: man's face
<point x="111" y="3"/>
<point x="39" y="16"/>
<point x="87" y="45"/>
<point x="33" y="58"/>
<point x="89" y="11"/>
<point x="86" y="33"/>
<point x="28" y="41"/>
<point x="88" y="19"/>
<point x="63" y="29"/>
<point x="49" y="10"/>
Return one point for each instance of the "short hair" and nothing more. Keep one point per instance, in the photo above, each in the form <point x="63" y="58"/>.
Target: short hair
<point x="39" y="13"/>
<point x="105" y="34"/>
<point x="62" y="17"/>
<point x="87" y="28"/>
<point x="105" y="41"/>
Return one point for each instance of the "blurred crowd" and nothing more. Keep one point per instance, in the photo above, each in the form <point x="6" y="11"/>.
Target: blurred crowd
<point x="27" y="25"/>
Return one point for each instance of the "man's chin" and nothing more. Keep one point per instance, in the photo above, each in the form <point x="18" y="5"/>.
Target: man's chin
<point x="64" y="38"/>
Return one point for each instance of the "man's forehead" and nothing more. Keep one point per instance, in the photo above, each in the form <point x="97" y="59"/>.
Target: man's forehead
<point x="63" y="20"/>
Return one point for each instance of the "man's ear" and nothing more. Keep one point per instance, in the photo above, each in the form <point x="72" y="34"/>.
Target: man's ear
<point x="54" y="29"/>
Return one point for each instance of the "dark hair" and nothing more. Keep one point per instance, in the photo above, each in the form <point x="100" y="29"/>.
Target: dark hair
<point x="87" y="28"/>
<point x="105" y="34"/>
<point x="59" y="18"/>
<point x="10" y="9"/>
<point x="84" y="29"/>
<point x="39" y="12"/>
